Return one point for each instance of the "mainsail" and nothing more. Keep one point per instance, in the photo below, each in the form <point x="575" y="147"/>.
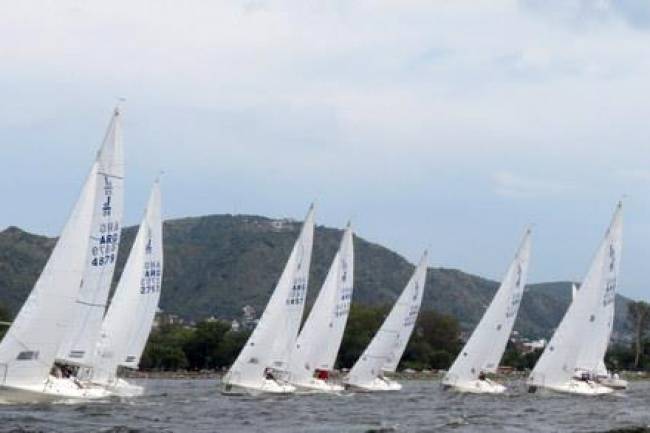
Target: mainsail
<point x="320" y="338"/>
<point x="387" y="346"/>
<point x="101" y="250"/>
<point x="485" y="347"/>
<point x="270" y="344"/>
<point x="30" y="346"/>
<point x="130" y="316"/>
<point x="581" y="339"/>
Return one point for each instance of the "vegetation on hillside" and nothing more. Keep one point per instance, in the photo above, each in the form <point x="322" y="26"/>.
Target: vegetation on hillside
<point x="215" y="265"/>
<point x="4" y="317"/>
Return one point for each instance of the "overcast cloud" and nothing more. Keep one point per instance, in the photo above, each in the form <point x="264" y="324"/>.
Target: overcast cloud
<point x="443" y="124"/>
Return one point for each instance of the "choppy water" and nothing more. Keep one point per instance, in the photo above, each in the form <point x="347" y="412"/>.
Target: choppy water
<point x="196" y="406"/>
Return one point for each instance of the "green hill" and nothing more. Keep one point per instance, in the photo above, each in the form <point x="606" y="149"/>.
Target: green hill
<point x="215" y="265"/>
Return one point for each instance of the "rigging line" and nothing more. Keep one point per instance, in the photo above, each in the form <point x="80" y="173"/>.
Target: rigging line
<point x="90" y="304"/>
<point x="110" y="175"/>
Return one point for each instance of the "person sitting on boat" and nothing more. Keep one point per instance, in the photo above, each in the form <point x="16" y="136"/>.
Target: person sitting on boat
<point x="585" y="377"/>
<point x="268" y="374"/>
<point x="56" y="372"/>
<point x="482" y="376"/>
<point x="321" y="374"/>
<point x="66" y="372"/>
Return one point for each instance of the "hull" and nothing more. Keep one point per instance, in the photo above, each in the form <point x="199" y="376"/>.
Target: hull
<point x="577" y="387"/>
<point x="267" y="387"/>
<point x="121" y="388"/>
<point x="477" y="387"/>
<point x="54" y="389"/>
<point x="377" y="385"/>
<point x="616" y="384"/>
<point x="318" y="386"/>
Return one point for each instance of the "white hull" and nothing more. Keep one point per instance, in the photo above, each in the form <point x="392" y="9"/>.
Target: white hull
<point x="267" y="387"/>
<point x="55" y="389"/>
<point x="616" y="384"/>
<point x="377" y="385"/>
<point x="122" y="388"/>
<point x="318" y="386"/>
<point x="477" y="387"/>
<point x="579" y="387"/>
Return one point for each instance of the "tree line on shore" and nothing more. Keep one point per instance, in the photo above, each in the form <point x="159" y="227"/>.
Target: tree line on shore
<point x="212" y="344"/>
<point x="436" y="340"/>
<point x="434" y="345"/>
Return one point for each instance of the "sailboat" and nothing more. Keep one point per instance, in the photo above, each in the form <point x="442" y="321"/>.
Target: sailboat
<point x="77" y="350"/>
<point x="484" y="349"/>
<point x="318" y="344"/>
<point x="387" y="346"/>
<point x="572" y="357"/>
<point x="84" y="253"/>
<point x="263" y="364"/>
<point x="128" y="321"/>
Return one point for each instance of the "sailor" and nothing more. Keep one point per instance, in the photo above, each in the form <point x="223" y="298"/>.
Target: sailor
<point x="57" y="372"/>
<point x="481" y="376"/>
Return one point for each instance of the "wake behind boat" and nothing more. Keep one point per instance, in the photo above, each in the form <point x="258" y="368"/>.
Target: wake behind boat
<point x="581" y="339"/>
<point x="262" y="366"/>
<point x="46" y="319"/>
<point x="485" y="347"/>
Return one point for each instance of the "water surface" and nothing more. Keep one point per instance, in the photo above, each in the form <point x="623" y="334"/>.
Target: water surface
<point x="195" y="406"/>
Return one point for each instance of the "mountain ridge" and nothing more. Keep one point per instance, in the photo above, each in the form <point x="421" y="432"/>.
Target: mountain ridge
<point x="217" y="264"/>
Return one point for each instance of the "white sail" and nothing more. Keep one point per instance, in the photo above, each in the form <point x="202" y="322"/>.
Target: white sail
<point x="130" y="316"/>
<point x="484" y="349"/>
<point x="270" y="344"/>
<point x="583" y="334"/>
<point x="387" y="346"/>
<point x="106" y="219"/>
<point x="320" y="338"/>
<point x="591" y="357"/>
<point x="30" y="346"/>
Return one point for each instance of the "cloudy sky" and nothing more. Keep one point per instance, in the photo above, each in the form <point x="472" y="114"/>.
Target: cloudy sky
<point x="442" y="124"/>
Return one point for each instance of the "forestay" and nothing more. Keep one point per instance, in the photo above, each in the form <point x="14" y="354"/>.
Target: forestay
<point x="387" y="346"/>
<point x="320" y="338"/>
<point x="130" y="316"/>
<point x="270" y="344"/>
<point x="101" y="250"/>
<point x="583" y="333"/>
<point x="484" y="349"/>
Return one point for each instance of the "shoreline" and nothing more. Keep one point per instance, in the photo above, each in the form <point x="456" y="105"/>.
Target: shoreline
<point x="418" y="375"/>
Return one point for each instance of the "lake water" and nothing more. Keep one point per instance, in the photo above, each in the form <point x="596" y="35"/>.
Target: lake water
<point x="196" y="406"/>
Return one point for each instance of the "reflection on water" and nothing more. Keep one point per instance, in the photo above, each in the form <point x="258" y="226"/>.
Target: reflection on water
<point x="196" y="406"/>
